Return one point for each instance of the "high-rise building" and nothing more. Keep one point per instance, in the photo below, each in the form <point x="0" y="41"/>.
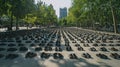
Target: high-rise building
<point x="63" y="12"/>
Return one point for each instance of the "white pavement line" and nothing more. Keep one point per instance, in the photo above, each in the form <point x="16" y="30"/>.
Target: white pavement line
<point x="69" y="41"/>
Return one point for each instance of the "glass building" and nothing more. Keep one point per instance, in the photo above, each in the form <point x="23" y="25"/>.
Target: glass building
<point x="63" y="12"/>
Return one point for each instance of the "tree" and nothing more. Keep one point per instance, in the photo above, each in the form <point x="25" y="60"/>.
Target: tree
<point x="17" y="10"/>
<point x="89" y="12"/>
<point x="45" y="14"/>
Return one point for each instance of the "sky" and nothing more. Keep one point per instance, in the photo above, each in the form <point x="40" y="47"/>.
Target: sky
<point x="58" y="4"/>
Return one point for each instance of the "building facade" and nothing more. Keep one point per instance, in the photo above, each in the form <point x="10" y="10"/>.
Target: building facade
<point x="63" y="12"/>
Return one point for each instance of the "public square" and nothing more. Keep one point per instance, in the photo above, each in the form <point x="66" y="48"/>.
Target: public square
<point x="59" y="47"/>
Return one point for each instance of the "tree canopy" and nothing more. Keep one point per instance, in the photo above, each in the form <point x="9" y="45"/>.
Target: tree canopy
<point x="27" y="11"/>
<point x="87" y="13"/>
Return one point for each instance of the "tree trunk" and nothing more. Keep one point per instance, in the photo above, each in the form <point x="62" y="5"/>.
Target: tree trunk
<point x="11" y="22"/>
<point x="27" y="23"/>
<point x="114" y="19"/>
<point x="17" y="24"/>
<point x="27" y="26"/>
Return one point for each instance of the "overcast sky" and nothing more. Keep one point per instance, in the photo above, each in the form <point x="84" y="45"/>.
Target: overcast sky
<point x="58" y="4"/>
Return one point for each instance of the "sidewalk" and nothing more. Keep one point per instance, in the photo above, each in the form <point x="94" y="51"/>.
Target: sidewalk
<point x="14" y="28"/>
<point x="3" y="29"/>
<point x="111" y="33"/>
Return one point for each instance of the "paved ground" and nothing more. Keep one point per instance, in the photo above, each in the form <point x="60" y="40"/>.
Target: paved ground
<point x="103" y="32"/>
<point x="20" y="28"/>
<point x="74" y="37"/>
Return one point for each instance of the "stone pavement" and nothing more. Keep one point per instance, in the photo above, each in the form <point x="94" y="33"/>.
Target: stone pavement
<point x="80" y="48"/>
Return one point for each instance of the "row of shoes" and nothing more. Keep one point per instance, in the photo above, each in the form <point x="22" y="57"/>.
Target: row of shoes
<point x="96" y="45"/>
<point x="83" y="35"/>
<point x="9" y="56"/>
<point x="11" y="49"/>
<point x="31" y="34"/>
<point x="55" y="55"/>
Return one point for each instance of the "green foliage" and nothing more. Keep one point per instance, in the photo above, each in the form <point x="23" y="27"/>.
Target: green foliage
<point x="89" y="12"/>
<point x="46" y="14"/>
<point x="30" y="19"/>
<point x="27" y="11"/>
